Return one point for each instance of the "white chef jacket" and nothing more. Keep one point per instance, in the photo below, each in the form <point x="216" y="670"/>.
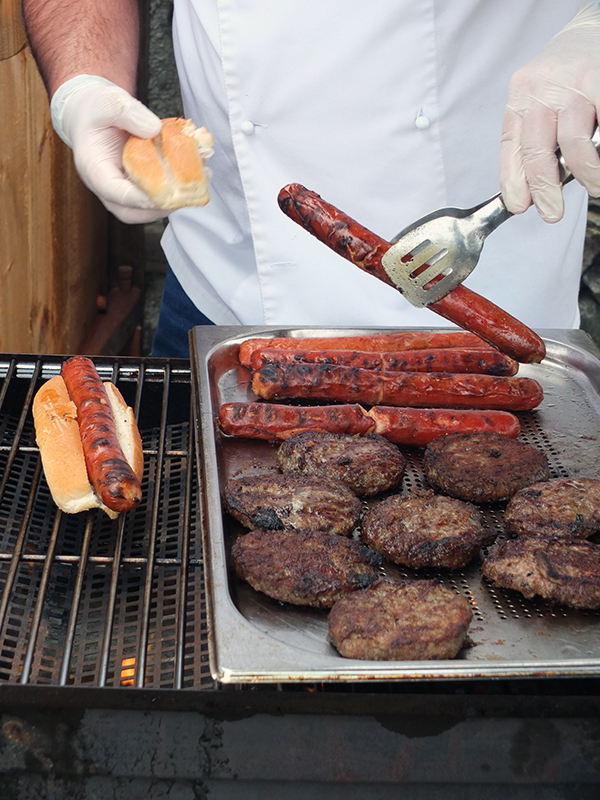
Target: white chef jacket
<point x="387" y="109"/>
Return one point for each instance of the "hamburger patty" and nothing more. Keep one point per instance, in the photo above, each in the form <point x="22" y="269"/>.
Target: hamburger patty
<point x="560" y="507"/>
<point x="482" y="467"/>
<point x="561" y="570"/>
<point x="309" y="569"/>
<point x="368" y="464"/>
<point x="422" y="529"/>
<point x="409" y="621"/>
<point x="273" y="501"/>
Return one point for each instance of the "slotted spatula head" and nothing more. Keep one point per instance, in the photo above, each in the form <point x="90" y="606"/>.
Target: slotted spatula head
<point x="434" y="255"/>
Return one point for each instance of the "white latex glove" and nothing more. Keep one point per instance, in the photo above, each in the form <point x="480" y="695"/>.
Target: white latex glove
<point x="95" y="117"/>
<point x="554" y="100"/>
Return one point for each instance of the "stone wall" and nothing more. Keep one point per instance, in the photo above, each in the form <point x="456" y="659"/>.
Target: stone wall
<point x="163" y="87"/>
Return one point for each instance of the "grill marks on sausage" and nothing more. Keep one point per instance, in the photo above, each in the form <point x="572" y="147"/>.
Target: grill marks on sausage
<point x="272" y="421"/>
<point x="453" y="360"/>
<point x="414" y="427"/>
<point x="434" y="390"/>
<point x="365" y="249"/>
<point x="109" y="472"/>
<point x="374" y="343"/>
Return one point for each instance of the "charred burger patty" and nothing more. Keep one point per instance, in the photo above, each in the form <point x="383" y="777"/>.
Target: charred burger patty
<point x="274" y="501"/>
<point x="422" y="529"/>
<point x="482" y="467"/>
<point x="313" y="569"/>
<point x="560" y="570"/>
<point x="413" y="620"/>
<point x="368" y="464"/>
<point x="561" y="507"/>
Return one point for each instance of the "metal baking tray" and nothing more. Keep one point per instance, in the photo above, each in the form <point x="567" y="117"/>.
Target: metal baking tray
<point x="255" y="639"/>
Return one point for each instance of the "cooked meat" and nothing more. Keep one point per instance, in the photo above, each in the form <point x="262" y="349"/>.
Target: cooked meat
<point x="308" y="569"/>
<point x="560" y="507"/>
<point x="405" y="621"/>
<point x="422" y="529"/>
<point x="482" y="467"/>
<point x="561" y="570"/>
<point x="368" y="464"/>
<point x="273" y="501"/>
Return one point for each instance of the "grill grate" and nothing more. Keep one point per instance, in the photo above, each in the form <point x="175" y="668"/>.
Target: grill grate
<point x="89" y="601"/>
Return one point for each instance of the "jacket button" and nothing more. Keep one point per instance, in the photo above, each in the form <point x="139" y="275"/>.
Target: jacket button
<point x="247" y="127"/>
<point x="422" y="122"/>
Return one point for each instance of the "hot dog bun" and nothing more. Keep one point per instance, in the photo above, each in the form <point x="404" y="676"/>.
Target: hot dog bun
<point x="57" y="436"/>
<point x="127" y="430"/>
<point x="170" y="167"/>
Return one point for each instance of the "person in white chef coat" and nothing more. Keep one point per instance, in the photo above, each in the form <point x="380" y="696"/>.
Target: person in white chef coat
<point x="388" y="110"/>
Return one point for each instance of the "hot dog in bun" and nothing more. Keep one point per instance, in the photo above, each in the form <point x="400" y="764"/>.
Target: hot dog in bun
<point x="96" y="462"/>
<point x="170" y="167"/>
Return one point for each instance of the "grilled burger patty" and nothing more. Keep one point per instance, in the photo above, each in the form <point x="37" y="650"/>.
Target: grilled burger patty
<point x="273" y="501"/>
<point x="313" y="569"/>
<point x="560" y="507"/>
<point x="482" y="467"/>
<point x="368" y="464"/>
<point x="412" y="620"/>
<point x="561" y="570"/>
<point x="422" y="529"/>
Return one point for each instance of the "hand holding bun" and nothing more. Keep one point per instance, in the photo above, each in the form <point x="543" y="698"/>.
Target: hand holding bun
<point x="170" y="167"/>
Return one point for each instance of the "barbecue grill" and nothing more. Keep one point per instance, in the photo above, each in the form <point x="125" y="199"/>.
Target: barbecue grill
<point x="105" y="642"/>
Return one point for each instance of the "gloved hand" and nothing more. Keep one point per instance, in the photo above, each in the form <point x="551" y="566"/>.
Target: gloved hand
<point x="554" y="100"/>
<point x="95" y="117"/>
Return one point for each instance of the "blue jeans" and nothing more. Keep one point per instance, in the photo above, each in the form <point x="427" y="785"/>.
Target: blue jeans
<point x="177" y="316"/>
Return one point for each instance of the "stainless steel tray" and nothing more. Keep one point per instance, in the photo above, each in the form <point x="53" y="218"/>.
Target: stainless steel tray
<point x="255" y="639"/>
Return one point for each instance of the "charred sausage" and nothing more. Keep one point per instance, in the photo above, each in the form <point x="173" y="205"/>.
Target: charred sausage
<point x="414" y="427"/>
<point x="429" y="390"/>
<point x="456" y="360"/>
<point x="274" y="422"/>
<point x="417" y="427"/>
<point x="110" y="474"/>
<point x="377" y="342"/>
<point x="365" y="249"/>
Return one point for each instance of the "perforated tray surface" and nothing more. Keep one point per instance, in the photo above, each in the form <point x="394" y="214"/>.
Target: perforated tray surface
<point x="253" y="638"/>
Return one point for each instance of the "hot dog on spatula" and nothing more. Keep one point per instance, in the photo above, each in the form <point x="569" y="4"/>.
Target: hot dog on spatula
<point x="365" y="249"/>
<point x="89" y="442"/>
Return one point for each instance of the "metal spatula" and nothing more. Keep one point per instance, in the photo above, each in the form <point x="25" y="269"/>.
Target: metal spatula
<point x="434" y="255"/>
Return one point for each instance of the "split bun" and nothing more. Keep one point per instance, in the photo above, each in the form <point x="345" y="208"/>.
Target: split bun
<point x="170" y="167"/>
<point x="59" y="441"/>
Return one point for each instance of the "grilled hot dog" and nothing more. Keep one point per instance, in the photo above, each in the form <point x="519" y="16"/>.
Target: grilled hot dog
<point x="414" y="427"/>
<point x="486" y="360"/>
<point x="365" y="249"/>
<point x="430" y="390"/>
<point x="89" y="442"/>
<point x="373" y="343"/>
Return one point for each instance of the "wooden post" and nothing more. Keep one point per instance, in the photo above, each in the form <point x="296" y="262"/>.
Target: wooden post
<point x="53" y="241"/>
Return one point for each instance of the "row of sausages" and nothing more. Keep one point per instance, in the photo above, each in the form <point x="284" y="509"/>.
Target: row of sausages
<point x="393" y="374"/>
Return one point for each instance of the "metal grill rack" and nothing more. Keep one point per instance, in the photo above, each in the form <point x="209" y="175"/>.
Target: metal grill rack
<point x="89" y="601"/>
